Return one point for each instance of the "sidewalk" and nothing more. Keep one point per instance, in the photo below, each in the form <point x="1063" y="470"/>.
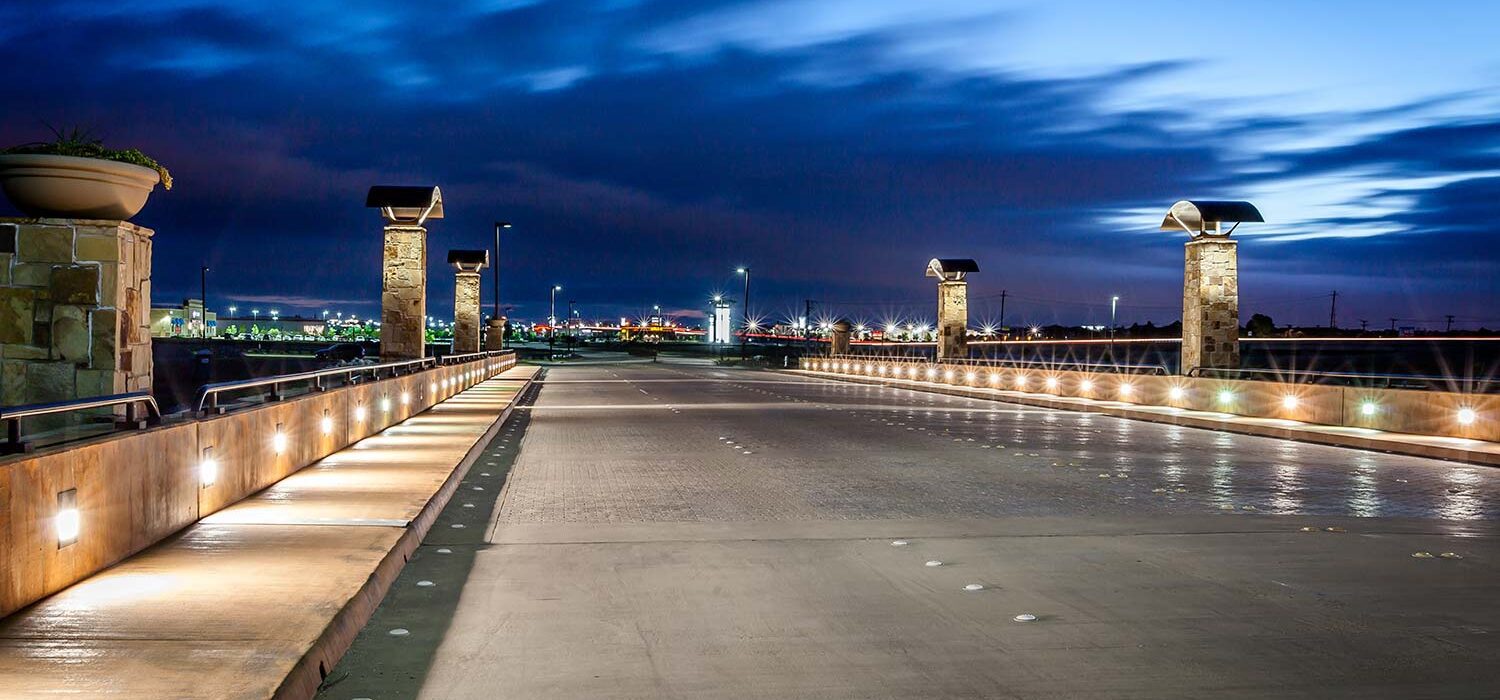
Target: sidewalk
<point x="1431" y="446"/>
<point x="260" y="599"/>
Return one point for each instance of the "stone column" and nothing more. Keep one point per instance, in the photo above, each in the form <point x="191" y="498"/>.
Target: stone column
<point x="494" y="334"/>
<point x="403" y="297"/>
<point x="1211" y="305"/>
<point x="840" y="344"/>
<point x="75" y="309"/>
<point x="953" y="320"/>
<point x="466" y="311"/>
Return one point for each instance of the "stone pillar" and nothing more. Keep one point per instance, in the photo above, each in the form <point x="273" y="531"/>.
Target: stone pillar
<point x="75" y="309"/>
<point x="840" y="344"/>
<point x="403" y="296"/>
<point x="1211" y="305"/>
<point x="953" y="320"/>
<point x="466" y="311"/>
<point x="494" y="334"/>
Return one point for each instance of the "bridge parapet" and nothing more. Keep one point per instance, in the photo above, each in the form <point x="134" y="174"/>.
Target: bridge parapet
<point x="1458" y="415"/>
<point x="124" y="492"/>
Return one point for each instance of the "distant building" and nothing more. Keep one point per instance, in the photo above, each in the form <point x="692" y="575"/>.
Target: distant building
<point x="720" y="328"/>
<point x="187" y="321"/>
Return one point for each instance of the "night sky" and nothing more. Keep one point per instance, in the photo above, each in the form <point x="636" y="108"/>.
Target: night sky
<point x="645" y="149"/>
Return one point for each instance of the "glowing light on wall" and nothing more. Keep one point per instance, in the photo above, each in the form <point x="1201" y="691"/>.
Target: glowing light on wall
<point x="405" y="398"/>
<point x="208" y="468"/>
<point x="1467" y="416"/>
<point x="385" y="404"/>
<point x="931" y="373"/>
<point x="1126" y="390"/>
<point x="1086" y="385"/>
<point x="1368" y="408"/>
<point x="970" y="377"/>
<point x="69" y="522"/>
<point x="1052" y="383"/>
<point x="360" y="413"/>
<point x="326" y="425"/>
<point x="1226" y="396"/>
<point x="1175" y="393"/>
<point x="1289" y="402"/>
<point x="278" y="440"/>
<point x="1020" y="381"/>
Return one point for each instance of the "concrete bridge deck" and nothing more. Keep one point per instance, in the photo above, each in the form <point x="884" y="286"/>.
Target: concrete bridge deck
<point x="673" y="531"/>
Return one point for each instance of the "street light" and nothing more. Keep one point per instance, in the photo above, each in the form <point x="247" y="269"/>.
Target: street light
<point x="745" y="333"/>
<point x="1114" y="301"/>
<point x="495" y="271"/>
<point x="552" y="320"/>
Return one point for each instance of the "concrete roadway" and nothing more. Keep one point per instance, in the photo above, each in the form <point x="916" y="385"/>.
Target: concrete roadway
<point x="688" y="531"/>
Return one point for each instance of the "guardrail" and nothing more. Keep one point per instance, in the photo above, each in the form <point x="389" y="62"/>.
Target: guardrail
<point x="1022" y="364"/>
<point x="12" y="416"/>
<point x="208" y="394"/>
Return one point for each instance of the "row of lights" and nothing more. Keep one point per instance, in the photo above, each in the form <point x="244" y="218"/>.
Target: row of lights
<point x="1464" y="416"/>
<point x="69" y="522"/>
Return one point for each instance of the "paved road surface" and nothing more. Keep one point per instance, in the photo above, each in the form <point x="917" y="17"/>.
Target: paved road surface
<point x="686" y="531"/>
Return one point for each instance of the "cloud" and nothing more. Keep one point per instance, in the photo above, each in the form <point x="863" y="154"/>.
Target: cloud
<point x="644" y="149"/>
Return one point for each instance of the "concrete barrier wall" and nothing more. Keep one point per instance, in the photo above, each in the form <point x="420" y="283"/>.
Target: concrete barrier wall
<point x="1394" y="410"/>
<point x="134" y="489"/>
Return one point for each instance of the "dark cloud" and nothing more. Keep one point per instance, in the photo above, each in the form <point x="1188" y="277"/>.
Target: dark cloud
<point x="638" y="176"/>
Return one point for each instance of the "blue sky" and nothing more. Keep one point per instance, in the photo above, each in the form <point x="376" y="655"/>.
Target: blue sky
<point x="644" y="149"/>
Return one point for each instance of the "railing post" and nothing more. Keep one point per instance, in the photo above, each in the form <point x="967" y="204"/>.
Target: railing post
<point x="13" y="442"/>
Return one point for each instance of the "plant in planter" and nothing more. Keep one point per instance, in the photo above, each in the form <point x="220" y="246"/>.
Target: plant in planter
<point x="75" y="176"/>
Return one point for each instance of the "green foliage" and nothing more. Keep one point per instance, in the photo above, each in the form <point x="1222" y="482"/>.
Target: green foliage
<point x="1260" y="326"/>
<point x="83" y="145"/>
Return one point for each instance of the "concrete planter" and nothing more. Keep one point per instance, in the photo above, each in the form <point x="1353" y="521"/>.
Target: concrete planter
<point x="76" y="188"/>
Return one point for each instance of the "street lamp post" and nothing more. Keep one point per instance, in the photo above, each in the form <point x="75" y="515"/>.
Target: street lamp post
<point x="495" y="272"/>
<point x="552" y="321"/>
<point x="203" y="289"/>
<point x="745" y="332"/>
<point x="1114" y="302"/>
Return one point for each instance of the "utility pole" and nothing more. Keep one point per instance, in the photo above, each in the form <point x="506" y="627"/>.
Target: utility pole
<point x="1363" y="324"/>
<point x="203" y="282"/>
<point x="1333" y="310"/>
<point x="807" y="326"/>
<point x="1393" y="325"/>
<point x="1003" y="295"/>
<point x="1449" y="318"/>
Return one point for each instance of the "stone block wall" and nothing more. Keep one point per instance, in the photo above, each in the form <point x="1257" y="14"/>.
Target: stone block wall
<point x="953" y="320"/>
<point x="494" y="334"/>
<point x="75" y="306"/>
<point x="466" y="312"/>
<point x="1211" y="305"/>
<point x="403" y="297"/>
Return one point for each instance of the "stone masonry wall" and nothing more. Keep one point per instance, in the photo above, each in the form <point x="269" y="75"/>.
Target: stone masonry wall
<point x="466" y="312"/>
<point x="953" y="320"/>
<point x="1211" y="305"/>
<point x="403" y="297"/>
<point x="494" y="334"/>
<point x="75" y="301"/>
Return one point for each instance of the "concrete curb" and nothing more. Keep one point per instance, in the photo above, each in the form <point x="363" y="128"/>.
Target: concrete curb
<point x="308" y="674"/>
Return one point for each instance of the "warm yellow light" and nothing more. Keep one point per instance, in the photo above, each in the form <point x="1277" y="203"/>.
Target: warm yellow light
<point x="1289" y="402"/>
<point x="208" y="468"/>
<point x="1052" y="383"/>
<point x="1175" y="393"/>
<point x="432" y="387"/>
<point x="68" y="521"/>
<point x="278" y="440"/>
<point x="1467" y="416"/>
<point x="385" y="404"/>
<point x="931" y="373"/>
<point x="994" y="378"/>
<point x="1368" y="408"/>
<point x="881" y="369"/>
<point x="1086" y="385"/>
<point x="326" y="425"/>
<point x="1226" y="396"/>
<point x="948" y="375"/>
<point x="360" y="413"/>
<point x="1020" y="381"/>
<point x="405" y="398"/>
<point x="1126" y="389"/>
<point x="969" y="377"/>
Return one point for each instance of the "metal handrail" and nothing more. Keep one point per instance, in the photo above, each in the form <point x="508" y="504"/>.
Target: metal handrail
<point x="468" y="356"/>
<point x="992" y="362"/>
<point x="12" y="415"/>
<point x="208" y="394"/>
